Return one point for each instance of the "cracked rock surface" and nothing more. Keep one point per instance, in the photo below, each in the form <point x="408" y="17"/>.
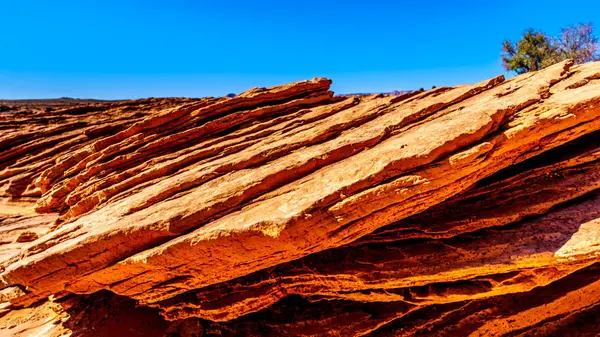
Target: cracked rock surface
<point x="289" y="211"/>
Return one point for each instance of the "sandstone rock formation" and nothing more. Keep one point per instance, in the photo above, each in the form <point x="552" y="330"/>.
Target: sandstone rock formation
<point x="288" y="211"/>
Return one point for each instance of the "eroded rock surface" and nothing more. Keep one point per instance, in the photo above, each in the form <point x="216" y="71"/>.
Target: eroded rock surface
<point x="291" y="211"/>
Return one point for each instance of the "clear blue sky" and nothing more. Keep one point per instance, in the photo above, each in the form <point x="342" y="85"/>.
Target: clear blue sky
<point x="135" y="48"/>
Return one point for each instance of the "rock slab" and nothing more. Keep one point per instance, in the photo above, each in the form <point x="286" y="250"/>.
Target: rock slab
<point x="292" y="211"/>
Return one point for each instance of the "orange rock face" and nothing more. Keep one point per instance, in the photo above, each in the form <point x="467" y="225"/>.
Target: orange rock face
<point x="288" y="211"/>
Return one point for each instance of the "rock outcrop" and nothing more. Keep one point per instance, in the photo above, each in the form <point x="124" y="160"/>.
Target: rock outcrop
<point x="458" y="211"/>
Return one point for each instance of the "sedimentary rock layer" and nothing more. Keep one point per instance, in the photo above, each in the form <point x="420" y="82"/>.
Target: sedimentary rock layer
<point x="313" y="214"/>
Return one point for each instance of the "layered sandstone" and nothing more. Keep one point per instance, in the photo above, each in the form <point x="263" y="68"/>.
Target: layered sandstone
<point x="291" y="211"/>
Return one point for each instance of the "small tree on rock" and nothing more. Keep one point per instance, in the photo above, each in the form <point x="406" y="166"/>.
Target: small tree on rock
<point x="535" y="50"/>
<point x="579" y="43"/>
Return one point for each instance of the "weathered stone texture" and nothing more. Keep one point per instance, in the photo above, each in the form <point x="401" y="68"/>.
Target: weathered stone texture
<point x="464" y="211"/>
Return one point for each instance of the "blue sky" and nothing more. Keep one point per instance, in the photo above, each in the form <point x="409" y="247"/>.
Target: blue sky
<point x="134" y="48"/>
